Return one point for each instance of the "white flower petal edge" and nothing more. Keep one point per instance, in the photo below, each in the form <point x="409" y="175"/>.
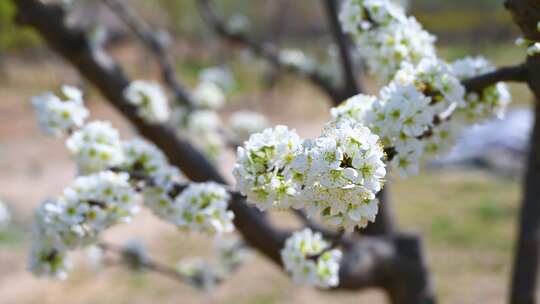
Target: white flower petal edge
<point x="307" y="258"/>
<point x="58" y="116"/>
<point x="150" y="100"/>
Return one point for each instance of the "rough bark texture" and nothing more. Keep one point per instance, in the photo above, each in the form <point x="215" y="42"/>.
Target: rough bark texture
<point x="526" y="14"/>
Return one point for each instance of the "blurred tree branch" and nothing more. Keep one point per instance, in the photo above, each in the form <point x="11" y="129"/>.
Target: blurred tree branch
<point x="151" y="41"/>
<point x="517" y="73"/>
<point x="352" y="84"/>
<point x="371" y="262"/>
<point x="265" y="50"/>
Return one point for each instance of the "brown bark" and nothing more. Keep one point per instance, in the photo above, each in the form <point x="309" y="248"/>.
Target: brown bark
<point x="526" y="14"/>
<point x="371" y="262"/>
<point x="386" y="260"/>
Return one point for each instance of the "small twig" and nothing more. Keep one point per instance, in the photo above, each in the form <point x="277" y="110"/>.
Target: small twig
<point x="148" y="264"/>
<point x="352" y="85"/>
<point x="265" y="50"/>
<point x="152" y="43"/>
<point x="337" y="237"/>
<point x="517" y="73"/>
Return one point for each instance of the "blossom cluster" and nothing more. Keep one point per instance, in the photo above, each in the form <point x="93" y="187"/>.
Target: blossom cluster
<point x="203" y="275"/>
<point x="203" y="207"/>
<point x="150" y="100"/>
<point x="491" y="100"/>
<point x="310" y="261"/>
<point x="111" y="173"/>
<point x="263" y="166"/>
<point x="336" y="176"/>
<point x="244" y="123"/>
<point x="199" y="273"/>
<point x="412" y="105"/>
<point x="202" y="123"/>
<point x="385" y="35"/>
<point x="411" y="114"/>
<point x="296" y="59"/>
<point x="76" y="218"/>
<point x="60" y="115"/>
<point x="96" y="147"/>
<point x="340" y="173"/>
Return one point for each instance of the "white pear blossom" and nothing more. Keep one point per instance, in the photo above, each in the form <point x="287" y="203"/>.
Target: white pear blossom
<point x="435" y="79"/>
<point x="231" y="254"/>
<point x="218" y="75"/>
<point x="92" y="204"/>
<point x="5" y="216"/>
<point x="95" y="257"/>
<point x="158" y="196"/>
<point x="209" y="95"/>
<point x="96" y="147"/>
<point x="261" y="166"/>
<point x="199" y="273"/>
<point x="203" y="127"/>
<point x="533" y="49"/>
<point x="492" y="100"/>
<point x="520" y="41"/>
<point x="297" y="59"/>
<point x="340" y="173"/>
<point x="355" y="108"/>
<point x="60" y="115"/>
<point x="75" y="219"/>
<point x="150" y="100"/>
<point x="245" y="123"/>
<point x="143" y="157"/>
<point x="238" y="24"/>
<point x="46" y="261"/>
<point x="135" y="255"/>
<point x="385" y="35"/>
<point x="308" y="258"/>
<point x="443" y="136"/>
<point x="203" y="207"/>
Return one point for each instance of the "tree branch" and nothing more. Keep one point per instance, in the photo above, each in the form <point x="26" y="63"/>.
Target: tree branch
<point x="148" y="264"/>
<point x="266" y="51"/>
<point x="155" y="46"/>
<point x="372" y="262"/>
<point x="352" y="85"/>
<point x="518" y="73"/>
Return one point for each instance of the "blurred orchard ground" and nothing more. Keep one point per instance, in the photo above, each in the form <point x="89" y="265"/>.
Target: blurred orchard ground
<point x="468" y="221"/>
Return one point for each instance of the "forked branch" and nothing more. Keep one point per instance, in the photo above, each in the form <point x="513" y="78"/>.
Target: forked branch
<point x="371" y="262"/>
<point x="266" y="51"/>
<point x="151" y="41"/>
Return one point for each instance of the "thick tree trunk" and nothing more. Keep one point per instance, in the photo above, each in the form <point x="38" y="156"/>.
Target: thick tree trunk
<point x="526" y="259"/>
<point x="386" y="222"/>
<point x="414" y="285"/>
<point x="526" y="15"/>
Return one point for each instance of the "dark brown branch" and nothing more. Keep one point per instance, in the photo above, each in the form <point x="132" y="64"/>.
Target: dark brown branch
<point x="523" y="288"/>
<point x="266" y="51"/>
<point x="108" y="77"/>
<point x="372" y="262"/>
<point x="516" y="73"/>
<point x="149" y="263"/>
<point x="155" y="46"/>
<point x="352" y="85"/>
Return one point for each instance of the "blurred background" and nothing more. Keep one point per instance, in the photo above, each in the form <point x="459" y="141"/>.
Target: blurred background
<point x="464" y="204"/>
